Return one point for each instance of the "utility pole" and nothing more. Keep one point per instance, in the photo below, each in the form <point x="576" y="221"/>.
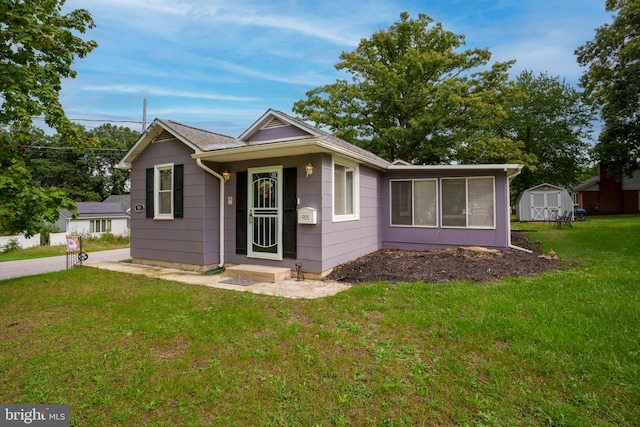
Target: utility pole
<point x="144" y="116"/>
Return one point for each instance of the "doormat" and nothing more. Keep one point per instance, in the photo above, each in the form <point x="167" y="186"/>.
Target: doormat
<point x="238" y="281"/>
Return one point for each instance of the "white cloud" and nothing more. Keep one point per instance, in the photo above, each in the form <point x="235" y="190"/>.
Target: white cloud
<point x="122" y="88"/>
<point x="321" y="30"/>
<point x="307" y="78"/>
<point x="149" y="6"/>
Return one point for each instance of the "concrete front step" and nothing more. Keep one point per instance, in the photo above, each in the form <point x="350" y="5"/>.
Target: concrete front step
<point x="259" y="273"/>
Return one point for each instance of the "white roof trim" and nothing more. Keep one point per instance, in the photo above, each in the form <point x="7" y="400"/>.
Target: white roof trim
<point x="284" y="148"/>
<point x="147" y="137"/>
<point x="269" y="115"/>
<point x="504" y="167"/>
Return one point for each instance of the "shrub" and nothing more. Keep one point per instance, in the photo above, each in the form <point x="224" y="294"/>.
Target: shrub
<point x="11" y="246"/>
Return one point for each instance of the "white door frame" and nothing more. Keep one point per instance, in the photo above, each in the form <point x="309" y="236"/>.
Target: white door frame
<point x="264" y="225"/>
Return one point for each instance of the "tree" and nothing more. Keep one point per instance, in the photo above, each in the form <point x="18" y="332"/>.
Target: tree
<point x="24" y="207"/>
<point x="89" y="176"/>
<point x="38" y="45"/>
<point x="414" y="96"/>
<point x="114" y="142"/>
<point x="612" y="85"/>
<point x="554" y="125"/>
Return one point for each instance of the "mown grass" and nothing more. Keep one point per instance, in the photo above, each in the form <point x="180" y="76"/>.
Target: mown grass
<point x="104" y="243"/>
<point x="558" y="349"/>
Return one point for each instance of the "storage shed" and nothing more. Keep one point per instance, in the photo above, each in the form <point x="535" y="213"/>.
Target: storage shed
<point x="543" y="202"/>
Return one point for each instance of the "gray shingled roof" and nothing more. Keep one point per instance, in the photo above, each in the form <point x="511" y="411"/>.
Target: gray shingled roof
<point x="96" y="210"/>
<point x="333" y="140"/>
<point x="204" y="139"/>
<point x="588" y="183"/>
<point x="124" y="200"/>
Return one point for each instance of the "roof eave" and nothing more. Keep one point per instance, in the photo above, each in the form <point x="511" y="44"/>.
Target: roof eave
<point x="509" y="168"/>
<point x="283" y="149"/>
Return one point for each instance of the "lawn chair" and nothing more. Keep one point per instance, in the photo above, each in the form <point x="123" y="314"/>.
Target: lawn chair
<point x="564" y="219"/>
<point x="553" y="216"/>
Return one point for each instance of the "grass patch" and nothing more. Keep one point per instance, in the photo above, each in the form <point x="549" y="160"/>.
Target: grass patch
<point x="104" y="243"/>
<point x="558" y="349"/>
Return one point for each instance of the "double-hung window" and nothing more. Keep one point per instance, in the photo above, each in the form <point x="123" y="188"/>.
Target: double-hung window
<point x="468" y="202"/>
<point x="414" y="203"/>
<point x="165" y="191"/>
<point x="345" y="191"/>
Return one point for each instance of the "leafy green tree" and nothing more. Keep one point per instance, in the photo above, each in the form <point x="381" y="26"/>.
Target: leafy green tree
<point x="555" y="127"/>
<point x="612" y="85"/>
<point x="53" y="163"/>
<point x="24" y="207"/>
<point x="114" y="142"/>
<point x="89" y="176"/>
<point x="415" y="96"/>
<point x="38" y="44"/>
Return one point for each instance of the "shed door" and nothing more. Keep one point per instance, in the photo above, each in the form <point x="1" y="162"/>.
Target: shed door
<point x="544" y="205"/>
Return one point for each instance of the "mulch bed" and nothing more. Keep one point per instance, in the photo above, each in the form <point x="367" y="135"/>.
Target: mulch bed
<point x="447" y="265"/>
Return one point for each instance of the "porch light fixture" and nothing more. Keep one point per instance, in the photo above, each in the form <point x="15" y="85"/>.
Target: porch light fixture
<point x="226" y="175"/>
<point x="309" y="169"/>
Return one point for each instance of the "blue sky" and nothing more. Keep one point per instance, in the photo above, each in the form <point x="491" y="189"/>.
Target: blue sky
<point x="220" y="64"/>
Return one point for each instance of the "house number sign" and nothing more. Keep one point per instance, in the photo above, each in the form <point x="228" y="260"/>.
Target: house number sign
<point x="307" y="216"/>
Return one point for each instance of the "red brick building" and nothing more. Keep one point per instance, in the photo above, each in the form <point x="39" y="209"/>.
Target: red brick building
<point x="607" y="195"/>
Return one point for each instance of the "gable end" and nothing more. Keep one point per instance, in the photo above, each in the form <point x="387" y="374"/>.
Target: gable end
<point x="164" y="136"/>
<point x="275" y="123"/>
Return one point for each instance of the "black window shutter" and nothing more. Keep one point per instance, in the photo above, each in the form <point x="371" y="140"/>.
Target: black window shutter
<point x="290" y="214"/>
<point x="241" y="213"/>
<point x="149" y="193"/>
<point x="178" y="191"/>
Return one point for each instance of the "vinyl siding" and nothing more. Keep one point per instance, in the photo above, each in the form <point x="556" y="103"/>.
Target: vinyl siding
<point x="192" y="239"/>
<point x="347" y="240"/>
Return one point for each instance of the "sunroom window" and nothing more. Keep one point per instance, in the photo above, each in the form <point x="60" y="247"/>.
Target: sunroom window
<point x="468" y="202"/>
<point x="414" y="203"/>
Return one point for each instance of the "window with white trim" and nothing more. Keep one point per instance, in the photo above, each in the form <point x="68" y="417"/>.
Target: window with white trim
<point x="164" y="191"/>
<point x="99" y="225"/>
<point x="414" y="203"/>
<point x="345" y="191"/>
<point x="468" y="202"/>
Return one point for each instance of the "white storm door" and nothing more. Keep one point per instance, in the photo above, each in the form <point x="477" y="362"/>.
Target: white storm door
<point x="265" y="213"/>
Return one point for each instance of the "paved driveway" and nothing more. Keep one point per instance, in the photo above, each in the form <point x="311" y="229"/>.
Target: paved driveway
<point x="29" y="267"/>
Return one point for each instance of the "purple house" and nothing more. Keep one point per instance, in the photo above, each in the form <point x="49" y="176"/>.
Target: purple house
<point x="286" y="193"/>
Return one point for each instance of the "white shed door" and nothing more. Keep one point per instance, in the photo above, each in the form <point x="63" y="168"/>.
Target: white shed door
<point x="544" y="205"/>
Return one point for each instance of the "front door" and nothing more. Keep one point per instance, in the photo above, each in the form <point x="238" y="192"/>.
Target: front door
<point x="264" y="227"/>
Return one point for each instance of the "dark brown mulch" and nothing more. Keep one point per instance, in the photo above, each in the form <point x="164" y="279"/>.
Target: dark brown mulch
<point x="446" y="265"/>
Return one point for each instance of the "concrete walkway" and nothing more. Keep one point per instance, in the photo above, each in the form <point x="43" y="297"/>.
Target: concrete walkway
<point x="290" y="288"/>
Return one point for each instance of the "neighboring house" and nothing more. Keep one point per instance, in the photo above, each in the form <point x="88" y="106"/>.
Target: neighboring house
<point x="286" y="193"/>
<point x="124" y="200"/>
<point x="543" y="202"/>
<point x="606" y="195"/>
<point x="96" y="218"/>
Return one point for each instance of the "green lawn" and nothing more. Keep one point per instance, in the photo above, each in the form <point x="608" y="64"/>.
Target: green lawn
<point x="558" y="349"/>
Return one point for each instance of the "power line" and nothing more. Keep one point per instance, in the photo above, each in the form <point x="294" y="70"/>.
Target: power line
<point x="94" y="120"/>
<point x="71" y="148"/>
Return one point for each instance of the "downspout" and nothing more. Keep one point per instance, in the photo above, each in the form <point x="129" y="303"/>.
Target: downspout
<point x="508" y="195"/>
<point x="222" y="181"/>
